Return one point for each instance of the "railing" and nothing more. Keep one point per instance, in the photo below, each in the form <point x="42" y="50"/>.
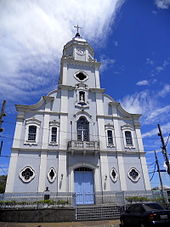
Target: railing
<point x="83" y="145"/>
<point x="37" y="200"/>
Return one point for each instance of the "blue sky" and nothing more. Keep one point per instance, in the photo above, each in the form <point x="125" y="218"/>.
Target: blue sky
<point x="130" y="38"/>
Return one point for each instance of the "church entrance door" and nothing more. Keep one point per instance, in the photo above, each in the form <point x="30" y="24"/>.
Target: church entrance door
<point x="84" y="186"/>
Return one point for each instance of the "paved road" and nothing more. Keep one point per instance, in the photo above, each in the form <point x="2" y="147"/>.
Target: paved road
<point x="106" y="223"/>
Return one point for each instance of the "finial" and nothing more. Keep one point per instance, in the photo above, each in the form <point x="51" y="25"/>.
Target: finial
<point x="77" y="27"/>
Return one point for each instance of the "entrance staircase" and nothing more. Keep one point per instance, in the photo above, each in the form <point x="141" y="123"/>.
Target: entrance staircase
<point x="97" y="212"/>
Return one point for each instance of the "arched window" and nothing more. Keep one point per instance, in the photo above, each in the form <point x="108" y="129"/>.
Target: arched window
<point x="128" y="137"/>
<point x="82" y="129"/>
<point x="32" y="133"/>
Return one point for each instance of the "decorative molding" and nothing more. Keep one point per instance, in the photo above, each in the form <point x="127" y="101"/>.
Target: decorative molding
<point x="43" y="100"/>
<point x="72" y="61"/>
<point x="65" y="87"/>
<point x="54" y="123"/>
<point x="32" y="121"/>
<point x="97" y="90"/>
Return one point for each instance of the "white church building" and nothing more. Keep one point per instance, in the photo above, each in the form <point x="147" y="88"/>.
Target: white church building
<point x="77" y="140"/>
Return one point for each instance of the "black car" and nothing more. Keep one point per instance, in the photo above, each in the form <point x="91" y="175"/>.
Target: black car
<point x="144" y="215"/>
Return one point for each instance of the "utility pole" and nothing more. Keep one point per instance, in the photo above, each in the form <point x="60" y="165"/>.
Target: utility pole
<point x="160" y="178"/>
<point x="2" y="114"/>
<point x="164" y="151"/>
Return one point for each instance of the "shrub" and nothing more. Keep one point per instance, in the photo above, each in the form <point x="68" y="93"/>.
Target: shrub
<point x="132" y="199"/>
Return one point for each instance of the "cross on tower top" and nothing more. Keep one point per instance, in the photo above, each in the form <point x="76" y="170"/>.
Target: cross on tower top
<point x="78" y="29"/>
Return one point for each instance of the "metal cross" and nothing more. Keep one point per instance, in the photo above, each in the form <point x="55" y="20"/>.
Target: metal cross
<point x="77" y="27"/>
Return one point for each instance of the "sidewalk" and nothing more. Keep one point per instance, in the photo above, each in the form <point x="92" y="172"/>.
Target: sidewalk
<point x="105" y="223"/>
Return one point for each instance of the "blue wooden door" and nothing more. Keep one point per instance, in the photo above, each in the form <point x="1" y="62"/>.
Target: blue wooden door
<point x="84" y="188"/>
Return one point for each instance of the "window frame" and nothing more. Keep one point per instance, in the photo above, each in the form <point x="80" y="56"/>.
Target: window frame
<point x="28" y="123"/>
<point x="110" y="127"/>
<point x="128" y="138"/>
<point x="86" y="130"/>
<point x="53" y="124"/>
<point x="128" y="128"/>
<point x="32" y="134"/>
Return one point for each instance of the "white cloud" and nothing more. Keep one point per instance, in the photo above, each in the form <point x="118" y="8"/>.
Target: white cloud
<point x="142" y="83"/>
<point x="165" y="90"/>
<point x="158" y="115"/>
<point x="139" y="103"/>
<point x="33" y="34"/>
<point x="106" y="63"/>
<point x="165" y="128"/>
<point x="146" y="103"/>
<point x="149" y="61"/>
<point x="162" y="4"/>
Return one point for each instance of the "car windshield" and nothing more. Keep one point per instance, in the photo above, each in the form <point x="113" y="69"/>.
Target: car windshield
<point x="153" y="206"/>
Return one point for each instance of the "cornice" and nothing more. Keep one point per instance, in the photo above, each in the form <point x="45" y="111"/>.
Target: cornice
<point x="97" y="90"/>
<point x="125" y="153"/>
<point x="112" y="117"/>
<point x="65" y="87"/>
<point x="117" y="153"/>
<point x="44" y="99"/>
<point x="71" y="60"/>
<point x="78" y="42"/>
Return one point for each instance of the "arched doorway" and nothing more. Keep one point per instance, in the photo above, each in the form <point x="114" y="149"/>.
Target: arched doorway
<point x="84" y="186"/>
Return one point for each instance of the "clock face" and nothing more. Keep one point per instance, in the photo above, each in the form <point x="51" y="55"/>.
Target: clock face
<point x="80" y="52"/>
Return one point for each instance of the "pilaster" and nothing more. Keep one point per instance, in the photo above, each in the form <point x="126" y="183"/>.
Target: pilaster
<point x="145" y="172"/>
<point x="42" y="173"/>
<point x="45" y="141"/>
<point x="122" y="175"/>
<point x="12" y="172"/>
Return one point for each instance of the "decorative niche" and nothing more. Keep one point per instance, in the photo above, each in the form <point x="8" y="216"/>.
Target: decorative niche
<point x="82" y="95"/>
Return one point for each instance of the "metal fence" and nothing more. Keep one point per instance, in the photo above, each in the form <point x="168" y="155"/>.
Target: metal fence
<point x="70" y="199"/>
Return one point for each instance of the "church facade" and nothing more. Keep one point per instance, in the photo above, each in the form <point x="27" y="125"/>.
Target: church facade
<point x="77" y="140"/>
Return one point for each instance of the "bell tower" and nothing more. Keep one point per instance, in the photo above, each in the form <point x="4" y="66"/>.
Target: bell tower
<point x="78" y="64"/>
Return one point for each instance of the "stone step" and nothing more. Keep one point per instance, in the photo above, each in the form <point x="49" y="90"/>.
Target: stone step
<point x="97" y="212"/>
